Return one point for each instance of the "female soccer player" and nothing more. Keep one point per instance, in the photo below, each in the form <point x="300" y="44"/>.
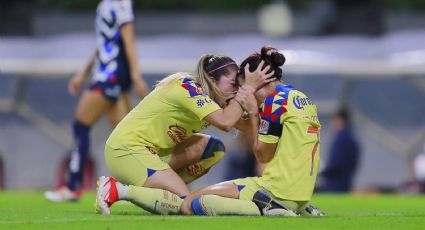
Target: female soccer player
<point x="157" y="148"/>
<point x="108" y="93"/>
<point x="288" y="141"/>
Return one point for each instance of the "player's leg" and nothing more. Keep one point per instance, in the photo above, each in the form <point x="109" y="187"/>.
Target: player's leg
<point x="118" y="110"/>
<point x="238" y="197"/>
<point x="219" y="199"/>
<point x="161" y="190"/>
<point x="195" y="156"/>
<point x="90" y="108"/>
<point x="144" y="180"/>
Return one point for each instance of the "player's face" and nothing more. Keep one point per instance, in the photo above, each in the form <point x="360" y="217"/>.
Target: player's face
<point x="227" y="84"/>
<point x="260" y="94"/>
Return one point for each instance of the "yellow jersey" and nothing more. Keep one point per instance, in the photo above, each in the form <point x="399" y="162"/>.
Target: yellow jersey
<point x="292" y="172"/>
<point x="167" y="116"/>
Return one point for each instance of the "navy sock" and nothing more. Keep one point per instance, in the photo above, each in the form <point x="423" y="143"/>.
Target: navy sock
<point x="79" y="155"/>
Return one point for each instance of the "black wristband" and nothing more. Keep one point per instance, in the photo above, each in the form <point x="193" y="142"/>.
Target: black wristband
<point x="270" y="128"/>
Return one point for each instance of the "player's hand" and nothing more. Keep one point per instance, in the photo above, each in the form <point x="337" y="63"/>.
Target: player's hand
<point x="259" y="77"/>
<point x="74" y="84"/>
<point x="247" y="100"/>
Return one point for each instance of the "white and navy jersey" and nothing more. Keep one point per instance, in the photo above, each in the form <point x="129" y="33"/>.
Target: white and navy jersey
<point x="112" y="64"/>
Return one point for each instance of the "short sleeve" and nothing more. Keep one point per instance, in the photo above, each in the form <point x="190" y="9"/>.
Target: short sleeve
<point x="191" y="96"/>
<point x="269" y="139"/>
<point x="272" y="110"/>
<point x="124" y="12"/>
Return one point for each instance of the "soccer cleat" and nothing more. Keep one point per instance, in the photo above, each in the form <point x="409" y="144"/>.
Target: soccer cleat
<point x="107" y="194"/>
<point x="313" y="211"/>
<point x="269" y="207"/>
<point x="63" y="194"/>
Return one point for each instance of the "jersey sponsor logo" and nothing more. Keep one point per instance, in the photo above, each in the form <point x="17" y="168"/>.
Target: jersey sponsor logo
<point x="300" y="102"/>
<point x="177" y="133"/>
<point x="264" y="127"/>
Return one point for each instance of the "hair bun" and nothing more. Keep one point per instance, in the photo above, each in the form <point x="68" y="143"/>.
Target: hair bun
<point x="272" y="54"/>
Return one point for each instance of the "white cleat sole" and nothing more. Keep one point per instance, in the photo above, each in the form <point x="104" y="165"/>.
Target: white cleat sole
<point x="101" y="207"/>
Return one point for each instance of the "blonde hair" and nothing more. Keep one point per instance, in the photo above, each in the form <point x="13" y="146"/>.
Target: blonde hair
<point x="208" y="68"/>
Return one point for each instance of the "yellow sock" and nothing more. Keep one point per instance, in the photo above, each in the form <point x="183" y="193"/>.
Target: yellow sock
<point x="213" y="205"/>
<point x="154" y="200"/>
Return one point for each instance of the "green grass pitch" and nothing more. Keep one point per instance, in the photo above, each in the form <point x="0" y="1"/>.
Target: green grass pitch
<point x="28" y="210"/>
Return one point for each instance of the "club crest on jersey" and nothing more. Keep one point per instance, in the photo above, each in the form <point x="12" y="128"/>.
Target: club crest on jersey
<point x="194" y="88"/>
<point x="264" y="127"/>
<point x="177" y="133"/>
<point x="202" y="101"/>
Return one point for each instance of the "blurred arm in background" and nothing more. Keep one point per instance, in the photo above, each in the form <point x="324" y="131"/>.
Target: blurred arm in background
<point x="129" y="39"/>
<point x="74" y="84"/>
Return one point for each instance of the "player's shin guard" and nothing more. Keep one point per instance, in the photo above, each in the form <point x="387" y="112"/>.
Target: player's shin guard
<point x="156" y="201"/>
<point x="213" y="153"/>
<point x="79" y="155"/>
<point x="213" y="205"/>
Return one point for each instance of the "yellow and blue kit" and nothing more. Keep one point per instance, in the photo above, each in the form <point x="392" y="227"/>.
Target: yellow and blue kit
<point x="292" y="172"/>
<point x="166" y="117"/>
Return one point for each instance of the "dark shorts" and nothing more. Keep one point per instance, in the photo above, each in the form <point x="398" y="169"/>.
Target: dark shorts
<point x="111" y="89"/>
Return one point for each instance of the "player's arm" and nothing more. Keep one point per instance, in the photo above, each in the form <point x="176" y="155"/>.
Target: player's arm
<point x="129" y="39"/>
<point x="244" y="124"/>
<point x="74" y="84"/>
<point x="264" y="152"/>
<point x="227" y="118"/>
<point x="265" y="143"/>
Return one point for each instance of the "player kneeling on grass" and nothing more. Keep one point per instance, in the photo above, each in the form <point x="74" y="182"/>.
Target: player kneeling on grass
<point x="288" y="141"/>
<point x="157" y="148"/>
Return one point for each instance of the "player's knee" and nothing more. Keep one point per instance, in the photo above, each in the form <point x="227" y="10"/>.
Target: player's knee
<point x="214" y="149"/>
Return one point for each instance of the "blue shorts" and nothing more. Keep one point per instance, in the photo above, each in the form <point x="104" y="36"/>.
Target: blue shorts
<point x="113" y="88"/>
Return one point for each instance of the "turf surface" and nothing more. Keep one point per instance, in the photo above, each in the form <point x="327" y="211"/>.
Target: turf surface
<point x="28" y="210"/>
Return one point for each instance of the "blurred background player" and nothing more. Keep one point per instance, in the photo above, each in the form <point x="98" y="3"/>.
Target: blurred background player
<point x="343" y="161"/>
<point x="116" y="69"/>
<point x="157" y="148"/>
<point x="288" y="141"/>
